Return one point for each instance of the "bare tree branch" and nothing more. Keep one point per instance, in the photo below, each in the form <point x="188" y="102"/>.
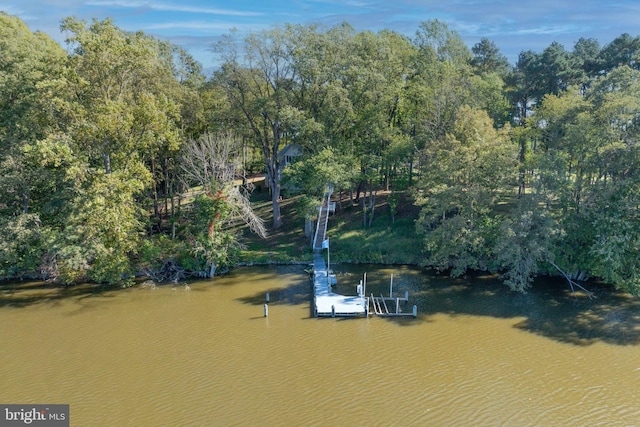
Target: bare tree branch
<point x="213" y="163"/>
<point x="572" y="283"/>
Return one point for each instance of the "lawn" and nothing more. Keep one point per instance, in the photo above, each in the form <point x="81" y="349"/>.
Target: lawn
<point x="384" y="242"/>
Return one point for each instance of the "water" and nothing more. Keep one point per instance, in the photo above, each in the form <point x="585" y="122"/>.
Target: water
<point x="477" y="354"/>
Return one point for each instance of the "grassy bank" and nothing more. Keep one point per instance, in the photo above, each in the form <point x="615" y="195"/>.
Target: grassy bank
<point x="384" y="242"/>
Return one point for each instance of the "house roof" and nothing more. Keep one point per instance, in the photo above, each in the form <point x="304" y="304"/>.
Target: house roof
<point x="290" y="150"/>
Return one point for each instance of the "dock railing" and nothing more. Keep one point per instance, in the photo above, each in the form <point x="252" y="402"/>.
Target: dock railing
<point x="323" y="219"/>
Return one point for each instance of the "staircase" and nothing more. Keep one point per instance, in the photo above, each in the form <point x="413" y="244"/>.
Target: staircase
<point x="323" y="219"/>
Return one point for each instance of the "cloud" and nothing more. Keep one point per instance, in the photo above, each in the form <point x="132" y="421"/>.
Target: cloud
<point x="514" y="26"/>
<point x="201" y="25"/>
<point x="546" y="30"/>
<point x="169" y="7"/>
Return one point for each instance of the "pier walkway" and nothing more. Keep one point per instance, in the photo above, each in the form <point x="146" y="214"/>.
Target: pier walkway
<point x="328" y="303"/>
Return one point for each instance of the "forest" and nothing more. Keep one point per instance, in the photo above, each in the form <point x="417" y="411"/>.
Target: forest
<point x="120" y="158"/>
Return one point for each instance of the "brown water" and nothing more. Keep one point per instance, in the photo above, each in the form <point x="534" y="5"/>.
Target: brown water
<point x="477" y="354"/>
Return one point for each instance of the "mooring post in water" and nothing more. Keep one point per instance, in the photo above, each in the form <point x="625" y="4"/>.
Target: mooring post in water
<point x="333" y="311"/>
<point x="267" y="297"/>
<point x="415" y="311"/>
<point x="266" y="310"/>
<point x="406" y="296"/>
<point x="391" y="287"/>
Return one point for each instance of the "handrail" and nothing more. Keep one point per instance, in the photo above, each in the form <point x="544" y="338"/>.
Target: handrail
<point x="322" y="210"/>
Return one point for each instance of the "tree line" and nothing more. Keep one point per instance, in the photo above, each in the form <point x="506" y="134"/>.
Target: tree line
<point x="118" y="154"/>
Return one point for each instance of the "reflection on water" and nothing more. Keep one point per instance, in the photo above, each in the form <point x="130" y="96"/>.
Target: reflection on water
<point x="478" y="354"/>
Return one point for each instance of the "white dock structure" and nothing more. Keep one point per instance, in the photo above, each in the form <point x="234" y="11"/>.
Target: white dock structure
<point x="323" y="219"/>
<point x="330" y="304"/>
<point x="326" y="302"/>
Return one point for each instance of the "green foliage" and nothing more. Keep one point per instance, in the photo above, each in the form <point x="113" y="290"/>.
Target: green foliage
<point x="488" y="59"/>
<point x="313" y="173"/>
<point x="524" y="243"/>
<point x="465" y="176"/>
<point x="584" y="160"/>
<point x="21" y="246"/>
<point x="212" y="244"/>
<point x="94" y="148"/>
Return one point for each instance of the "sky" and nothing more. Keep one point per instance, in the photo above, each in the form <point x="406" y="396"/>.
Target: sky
<point x="513" y="25"/>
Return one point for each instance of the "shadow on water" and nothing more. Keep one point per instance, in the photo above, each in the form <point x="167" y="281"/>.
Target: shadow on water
<point x="29" y="293"/>
<point x="25" y="294"/>
<point x="549" y="308"/>
<point x="297" y="292"/>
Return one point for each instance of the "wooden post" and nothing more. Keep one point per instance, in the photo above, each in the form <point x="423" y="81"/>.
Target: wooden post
<point x="397" y="305"/>
<point x="266" y="310"/>
<point x="333" y="311"/>
<point x="267" y="297"/>
<point x="406" y="296"/>
<point x="415" y="311"/>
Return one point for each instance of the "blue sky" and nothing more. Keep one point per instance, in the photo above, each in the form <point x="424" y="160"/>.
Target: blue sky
<point x="514" y="26"/>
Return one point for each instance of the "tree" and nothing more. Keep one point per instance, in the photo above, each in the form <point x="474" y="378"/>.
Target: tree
<point x="114" y="75"/>
<point x="464" y="175"/>
<point x="586" y="52"/>
<point x="34" y="189"/>
<point x="447" y="45"/>
<point x="522" y="84"/>
<point x="259" y="85"/>
<point x="540" y="74"/>
<point x="524" y="243"/>
<point x="31" y="65"/>
<point x="375" y="82"/>
<point x="623" y="50"/>
<point x="322" y="60"/>
<point x="559" y="70"/>
<point x="311" y="176"/>
<point x="584" y="158"/>
<point x="488" y="59"/>
<point x="121" y="119"/>
<point x="212" y="164"/>
<point x="438" y="83"/>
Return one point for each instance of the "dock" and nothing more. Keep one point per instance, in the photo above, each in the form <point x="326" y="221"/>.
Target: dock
<point x="327" y="303"/>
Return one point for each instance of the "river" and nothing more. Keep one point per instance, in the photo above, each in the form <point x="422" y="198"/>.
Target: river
<point x="477" y="354"/>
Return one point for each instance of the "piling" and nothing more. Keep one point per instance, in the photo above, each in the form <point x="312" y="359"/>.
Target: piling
<point x="267" y="297"/>
<point x="415" y="311"/>
<point x="266" y="310"/>
<point x="333" y="311"/>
